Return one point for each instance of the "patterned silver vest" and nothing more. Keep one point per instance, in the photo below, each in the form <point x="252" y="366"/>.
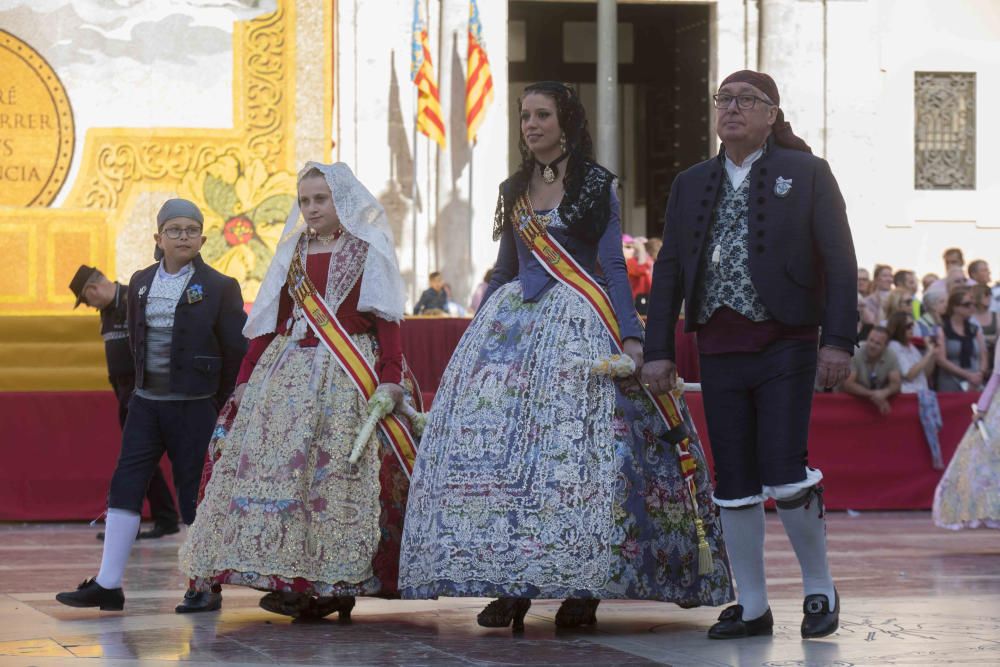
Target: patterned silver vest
<point x="727" y="282"/>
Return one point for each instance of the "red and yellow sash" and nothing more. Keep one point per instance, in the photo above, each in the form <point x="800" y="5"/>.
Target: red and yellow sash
<point x="329" y="330"/>
<point x="561" y="266"/>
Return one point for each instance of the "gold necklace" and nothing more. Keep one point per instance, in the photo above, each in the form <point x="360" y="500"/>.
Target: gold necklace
<point x="328" y="238"/>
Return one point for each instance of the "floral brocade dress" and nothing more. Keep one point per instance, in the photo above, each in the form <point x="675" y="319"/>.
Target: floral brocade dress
<point x="283" y="509"/>
<point x="535" y="477"/>
<point x="968" y="495"/>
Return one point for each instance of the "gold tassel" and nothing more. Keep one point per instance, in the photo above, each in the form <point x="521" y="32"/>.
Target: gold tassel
<point x="705" y="565"/>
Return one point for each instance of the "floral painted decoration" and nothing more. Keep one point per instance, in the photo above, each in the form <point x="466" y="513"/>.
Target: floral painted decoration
<point x="245" y="208"/>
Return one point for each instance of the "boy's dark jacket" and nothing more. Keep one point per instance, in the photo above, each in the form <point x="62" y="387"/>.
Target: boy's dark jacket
<point x="208" y="343"/>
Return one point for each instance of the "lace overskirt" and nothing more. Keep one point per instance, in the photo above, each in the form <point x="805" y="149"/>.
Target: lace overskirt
<point x="968" y="495"/>
<point x="536" y="478"/>
<point x="283" y="509"/>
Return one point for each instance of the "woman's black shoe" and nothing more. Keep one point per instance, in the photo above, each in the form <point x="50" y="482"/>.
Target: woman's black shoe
<point x="502" y="612"/>
<point x="574" y="612"/>
<point x="196" y="601"/>
<point x="819" y="620"/>
<point x="732" y="626"/>
<point x="321" y="607"/>
<point x="286" y="603"/>
<point x="92" y="594"/>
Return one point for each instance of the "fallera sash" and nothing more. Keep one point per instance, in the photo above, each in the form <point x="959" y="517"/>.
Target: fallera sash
<point x="561" y="266"/>
<point x="329" y="330"/>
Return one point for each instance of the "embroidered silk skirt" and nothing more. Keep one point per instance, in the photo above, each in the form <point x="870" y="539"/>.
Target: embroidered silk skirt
<point x="284" y="510"/>
<point x="968" y="495"/>
<point x="536" y="478"/>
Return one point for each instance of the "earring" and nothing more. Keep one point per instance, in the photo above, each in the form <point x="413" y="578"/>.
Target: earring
<point x="562" y="142"/>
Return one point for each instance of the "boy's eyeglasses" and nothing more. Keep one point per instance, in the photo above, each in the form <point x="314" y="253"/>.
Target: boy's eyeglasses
<point x="175" y="233"/>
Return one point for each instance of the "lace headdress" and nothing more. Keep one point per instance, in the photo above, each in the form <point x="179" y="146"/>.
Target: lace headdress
<point x="362" y="216"/>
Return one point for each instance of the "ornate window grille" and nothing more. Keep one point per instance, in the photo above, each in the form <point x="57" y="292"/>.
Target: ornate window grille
<point x="945" y="131"/>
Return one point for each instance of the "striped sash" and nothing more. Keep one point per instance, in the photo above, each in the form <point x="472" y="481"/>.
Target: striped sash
<point x="329" y="330"/>
<point x="561" y="266"/>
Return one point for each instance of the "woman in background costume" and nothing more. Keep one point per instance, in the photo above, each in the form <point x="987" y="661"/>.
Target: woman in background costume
<point x="537" y="476"/>
<point x="284" y="511"/>
<point x="968" y="495"/>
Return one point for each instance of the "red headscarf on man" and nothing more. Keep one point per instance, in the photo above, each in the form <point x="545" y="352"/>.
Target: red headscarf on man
<point x="781" y="129"/>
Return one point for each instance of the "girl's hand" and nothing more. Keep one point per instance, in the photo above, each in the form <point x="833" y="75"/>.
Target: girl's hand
<point x="394" y="390"/>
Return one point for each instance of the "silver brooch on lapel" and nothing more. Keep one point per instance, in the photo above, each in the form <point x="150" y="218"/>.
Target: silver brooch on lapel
<point x="142" y="290"/>
<point x="782" y="186"/>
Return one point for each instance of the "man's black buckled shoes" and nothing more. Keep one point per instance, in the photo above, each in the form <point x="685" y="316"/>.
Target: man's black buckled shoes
<point x="92" y="594"/>
<point x="818" y="619"/>
<point x="195" y="601"/>
<point x="157" y="532"/>
<point x="732" y="626"/>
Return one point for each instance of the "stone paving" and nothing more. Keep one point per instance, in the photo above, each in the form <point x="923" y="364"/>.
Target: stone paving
<point x="912" y="594"/>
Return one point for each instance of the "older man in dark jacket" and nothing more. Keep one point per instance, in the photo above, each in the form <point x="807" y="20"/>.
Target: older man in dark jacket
<point x="185" y="327"/>
<point x="758" y="249"/>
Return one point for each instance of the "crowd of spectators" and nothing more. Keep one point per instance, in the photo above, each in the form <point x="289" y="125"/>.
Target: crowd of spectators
<point x="941" y="338"/>
<point x="947" y="329"/>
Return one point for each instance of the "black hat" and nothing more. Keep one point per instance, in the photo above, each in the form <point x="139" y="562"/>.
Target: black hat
<point x="83" y="274"/>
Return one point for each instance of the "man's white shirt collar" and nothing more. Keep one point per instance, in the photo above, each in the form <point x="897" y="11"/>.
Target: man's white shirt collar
<point x="739" y="172"/>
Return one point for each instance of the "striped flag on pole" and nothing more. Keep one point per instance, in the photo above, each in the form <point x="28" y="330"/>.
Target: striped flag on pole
<point x="429" y="118"/>
<point x="479" y="81"/>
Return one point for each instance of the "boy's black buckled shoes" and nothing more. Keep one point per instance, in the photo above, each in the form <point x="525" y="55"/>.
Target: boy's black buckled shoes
<point x="158" y="531"/>
<point x="732" y="626"/>
<point x="195" y="601"/>
<point x="819" y="620"/>
<point x="92" y="594"/>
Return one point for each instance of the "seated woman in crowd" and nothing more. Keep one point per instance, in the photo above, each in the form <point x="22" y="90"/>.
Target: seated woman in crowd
<point x="935" y="304"/>
<point x="899" y="301"/>
<point x="961" y="348"/>
<point x="982" y="298"/>
<point x="915" y="365"/>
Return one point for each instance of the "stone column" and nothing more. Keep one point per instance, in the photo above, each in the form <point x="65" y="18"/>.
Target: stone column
<point x="607" y="84"/>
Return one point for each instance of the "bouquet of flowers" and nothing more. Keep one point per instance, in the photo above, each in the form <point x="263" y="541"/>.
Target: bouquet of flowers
<point x="380" y="405"/>
<point x="616" y="366"/>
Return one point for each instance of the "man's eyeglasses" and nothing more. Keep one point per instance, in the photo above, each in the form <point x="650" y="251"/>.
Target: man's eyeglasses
<point x="174" y="233"/>
<point x="723" y="100"/>
<point x="966" y="304"/>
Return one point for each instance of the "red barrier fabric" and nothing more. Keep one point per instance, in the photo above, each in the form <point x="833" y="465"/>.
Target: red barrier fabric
<point x="871" y="462"/>
<point x="58" y="450"/>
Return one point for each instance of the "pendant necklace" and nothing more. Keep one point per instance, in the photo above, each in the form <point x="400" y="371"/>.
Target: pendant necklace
<point x="549" y="173"/>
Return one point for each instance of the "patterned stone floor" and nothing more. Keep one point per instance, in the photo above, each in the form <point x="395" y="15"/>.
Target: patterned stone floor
<point x="912" y="595"/>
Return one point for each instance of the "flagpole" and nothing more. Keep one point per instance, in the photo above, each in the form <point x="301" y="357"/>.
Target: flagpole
<point x="413" y="200"/>
<point x="437" y="153"/>
<point x="472" y="161"/>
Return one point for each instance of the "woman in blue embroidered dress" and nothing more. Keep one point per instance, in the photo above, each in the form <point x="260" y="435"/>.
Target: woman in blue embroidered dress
<point x="535" y="477"/>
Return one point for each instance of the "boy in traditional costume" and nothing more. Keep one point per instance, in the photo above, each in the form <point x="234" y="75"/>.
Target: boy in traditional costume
<point x="184" y="327"/>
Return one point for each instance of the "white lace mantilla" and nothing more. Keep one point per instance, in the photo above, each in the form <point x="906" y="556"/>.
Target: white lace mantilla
<point x="517" y="468"/>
